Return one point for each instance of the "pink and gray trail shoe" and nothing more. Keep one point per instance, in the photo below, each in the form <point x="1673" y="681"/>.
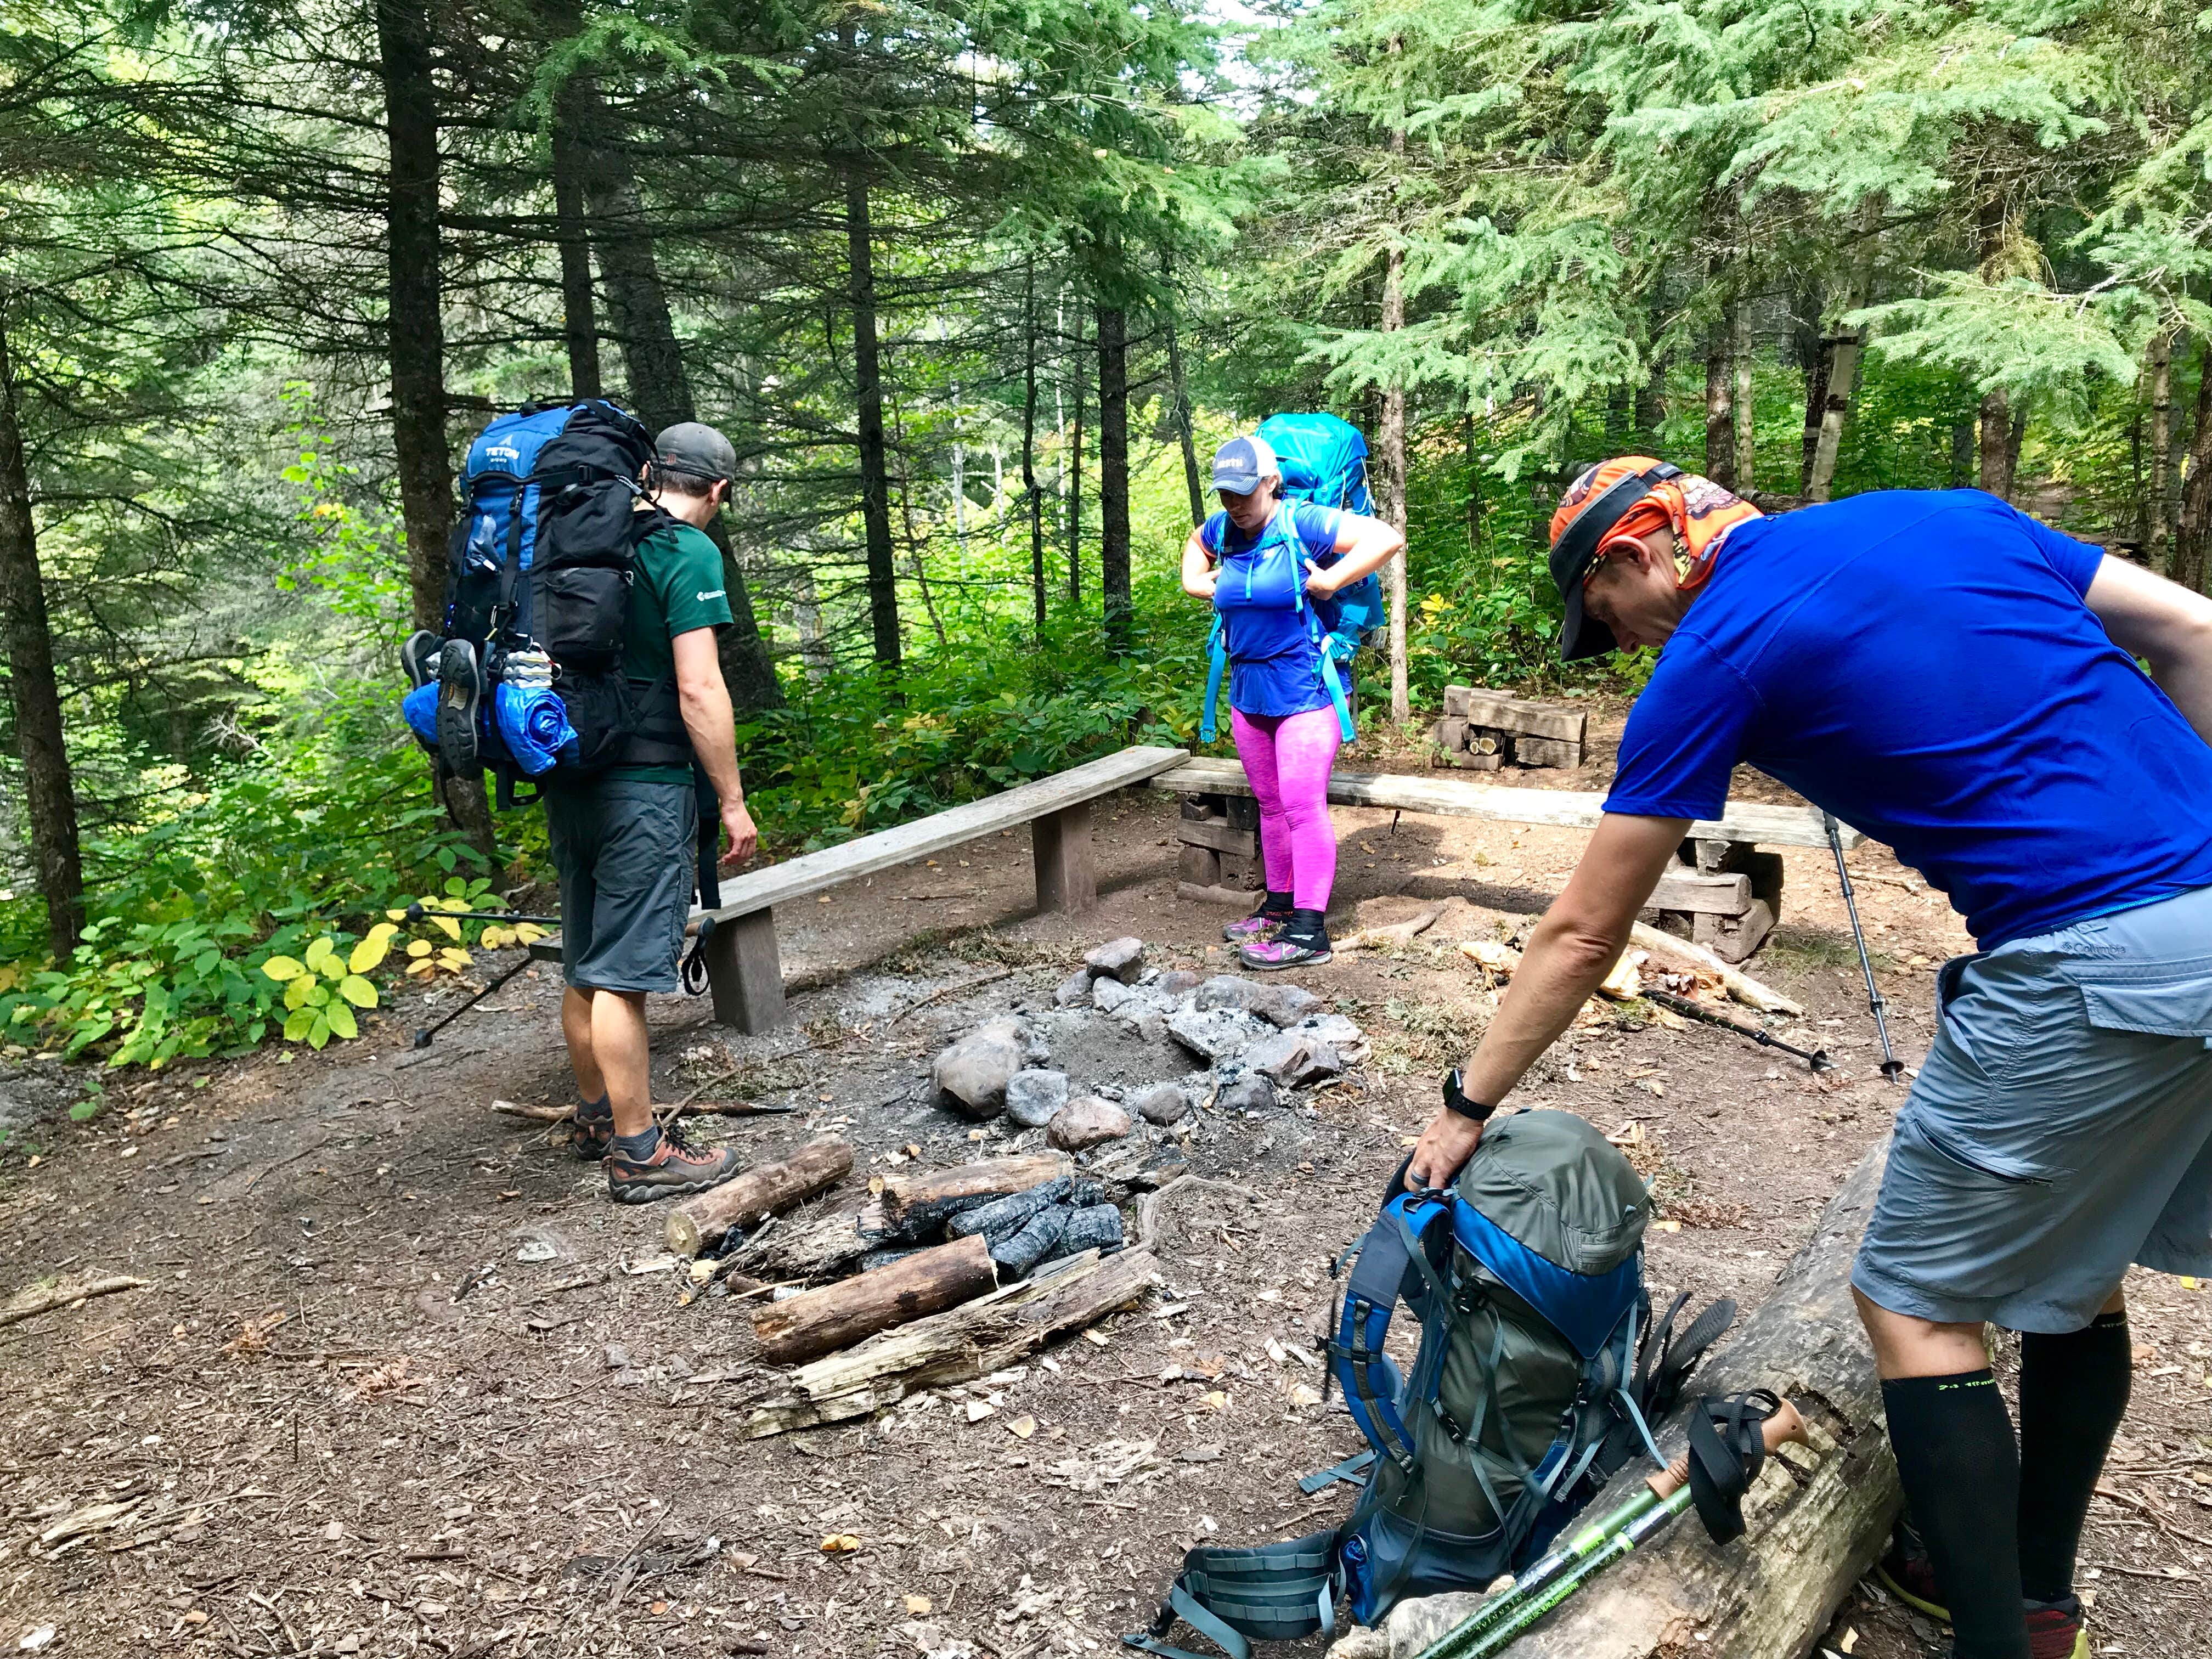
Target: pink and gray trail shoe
<point x="1302" y="942"/>
<point x="1264" y="923"/>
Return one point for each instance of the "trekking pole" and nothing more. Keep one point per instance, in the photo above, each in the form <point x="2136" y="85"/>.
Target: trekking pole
<point x="423" y="1038"/>
<point x="1890" y="1064"/>
<point x="1818" y="1060"/>
<point x="417" y="913"/>
<point x="1492" y="1629"/>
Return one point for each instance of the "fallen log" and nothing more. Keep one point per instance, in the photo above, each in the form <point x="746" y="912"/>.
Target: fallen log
<point x="959" y="1345"/>
<point x="1817" y="1515"/>
<point x="838" y="1315"/>
<point x="698" y="1223"/>
<point x="1738" y="984"/>
<point x="916" y="1204"/>
<point x="1397" y="933"/>
<point x="825" y="1243"/>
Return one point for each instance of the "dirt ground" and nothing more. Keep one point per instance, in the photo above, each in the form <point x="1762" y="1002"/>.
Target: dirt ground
<point x="403" y="1381"/>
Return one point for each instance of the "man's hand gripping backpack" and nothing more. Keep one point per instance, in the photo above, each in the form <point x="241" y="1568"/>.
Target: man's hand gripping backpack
<point x="1324" y="463"/>
<point x="538" y="583"/>
<point x="1539" y="1374"/>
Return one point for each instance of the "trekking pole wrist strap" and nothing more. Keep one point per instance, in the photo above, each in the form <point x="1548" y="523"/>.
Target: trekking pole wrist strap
<point x="1458" y="1103"/>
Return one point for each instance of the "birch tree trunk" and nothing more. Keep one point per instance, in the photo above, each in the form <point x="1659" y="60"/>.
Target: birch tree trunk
<point x="1843" y="358"/>
<point x="1747" y="425"/>
<point x="50" y="796"/>
<point x="1184" y="433"/>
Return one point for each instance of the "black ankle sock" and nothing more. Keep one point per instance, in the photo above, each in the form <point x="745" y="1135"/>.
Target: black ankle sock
<point x="2073" y="1392"/>
<point x="1960" y="1465"/>
<point x="642" y="1145"/>
<point x="1306" y="927"/>
<point x="1275" y="904"/>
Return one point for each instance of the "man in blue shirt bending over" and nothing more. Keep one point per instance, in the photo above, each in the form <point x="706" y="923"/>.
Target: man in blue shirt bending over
<point x="1953" y="678"/>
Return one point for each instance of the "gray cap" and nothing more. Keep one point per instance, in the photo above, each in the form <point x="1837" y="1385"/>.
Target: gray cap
<point x="697" y="451"/>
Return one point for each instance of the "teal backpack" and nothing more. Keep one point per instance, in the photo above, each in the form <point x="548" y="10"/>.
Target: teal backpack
<point x="1324" y="463"/>
<point x="1540" y="1374"/>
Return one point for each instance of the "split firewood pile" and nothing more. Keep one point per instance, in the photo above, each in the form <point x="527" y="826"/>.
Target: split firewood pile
<point x="1484" y="731"/>
<point x="925" y="1279"/>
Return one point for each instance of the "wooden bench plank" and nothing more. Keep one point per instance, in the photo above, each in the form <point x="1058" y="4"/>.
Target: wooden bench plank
<point x="1747" y="821"/>
<point x="811" y="872"/>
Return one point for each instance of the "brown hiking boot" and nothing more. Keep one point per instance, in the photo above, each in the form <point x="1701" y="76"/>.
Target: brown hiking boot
<point x="592" y="1130"/>
<point x="675" y="1170"/>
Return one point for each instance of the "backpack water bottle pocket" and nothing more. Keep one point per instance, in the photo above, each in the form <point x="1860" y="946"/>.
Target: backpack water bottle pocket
<point x="582" y="613"/>
<point x="1390" y="1557"/>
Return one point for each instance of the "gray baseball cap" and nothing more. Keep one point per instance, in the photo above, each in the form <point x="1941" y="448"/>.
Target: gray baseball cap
<point x="697" y="451"/>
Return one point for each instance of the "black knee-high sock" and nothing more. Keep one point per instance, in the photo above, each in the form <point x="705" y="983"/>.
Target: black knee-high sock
<point x="2073" y="1392"/>
<point x="1961" y="1468"/>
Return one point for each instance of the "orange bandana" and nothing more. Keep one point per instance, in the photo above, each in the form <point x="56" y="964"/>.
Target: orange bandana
<point x="1698" y="511"/>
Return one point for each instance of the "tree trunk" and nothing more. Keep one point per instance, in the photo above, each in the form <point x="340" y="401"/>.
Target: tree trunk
<point x="868" y="395"/>
<point x="1114" y="474"/>
<point x="1747" y="425"/>
<point x="1392" y="441"/>
<point x="1720" y="401"/>
<point x="414" y="326"/>
<point x="699" y="1223"/>
<point x="1029" y="495"/>
<point x="580" y="327"/>
<point x="2157" y="521"/>
<point x="1185" y="432"/>
<point x="1844" y="359"/>
<point x="1813" y="359"/>
<point x="1473" y="481"/>
<point x="1996" y="436"/>
<point x="1072" y="470"/>
<point x="49" y="797"/>
<point x="1814" y="1526"/>
<point x="1962" y="454"/>
<point x="2193" y="529"/>
<point x="838" y="1315"/>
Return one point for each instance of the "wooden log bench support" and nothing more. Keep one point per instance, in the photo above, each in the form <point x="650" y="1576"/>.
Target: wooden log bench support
<point x="1220" y="859"/>
<point x="1725" y="893"/>
<point x="744" y="965"/>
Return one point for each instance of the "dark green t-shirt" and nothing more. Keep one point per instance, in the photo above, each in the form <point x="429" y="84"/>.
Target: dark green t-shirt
<point x="678" y="587"/>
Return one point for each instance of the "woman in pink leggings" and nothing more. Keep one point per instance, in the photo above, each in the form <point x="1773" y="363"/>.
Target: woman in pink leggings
<point x="1252" y="559"/>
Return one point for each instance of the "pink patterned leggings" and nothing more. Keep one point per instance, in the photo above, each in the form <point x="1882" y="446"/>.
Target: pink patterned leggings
<point x="1287" y="758"/>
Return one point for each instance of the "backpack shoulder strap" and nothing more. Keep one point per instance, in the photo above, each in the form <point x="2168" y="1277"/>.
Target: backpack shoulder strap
<point x="1392" y="1251"/>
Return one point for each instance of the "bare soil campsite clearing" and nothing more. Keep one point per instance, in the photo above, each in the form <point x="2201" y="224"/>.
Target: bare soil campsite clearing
<point x="398" y="1379"/>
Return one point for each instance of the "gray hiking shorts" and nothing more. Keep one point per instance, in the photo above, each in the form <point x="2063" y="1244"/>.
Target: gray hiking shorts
<point x="626" y="852"/>
<point x="2060" y="1128"/>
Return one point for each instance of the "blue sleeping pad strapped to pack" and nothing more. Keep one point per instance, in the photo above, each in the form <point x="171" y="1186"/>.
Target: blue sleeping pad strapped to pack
<point x="1538" y="1373"/>
<point x="1324" y="463"/>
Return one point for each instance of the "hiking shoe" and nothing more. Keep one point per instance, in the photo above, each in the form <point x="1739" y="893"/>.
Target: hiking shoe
<point x="1907" y="1573"/>
<point x="1286" y="950"/>
<point x="1261" y="924"/>
<point x="592" y="1130"/>
<point x="675" y="1170"/>
<point x="419" y="656"/>
<point x="460" y="680"/>
<point x="2055" y="1630"/>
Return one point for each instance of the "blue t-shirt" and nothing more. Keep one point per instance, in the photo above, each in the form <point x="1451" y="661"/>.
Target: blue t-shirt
<point x="1923" y="665"/>
<point x="1275" y="665"/>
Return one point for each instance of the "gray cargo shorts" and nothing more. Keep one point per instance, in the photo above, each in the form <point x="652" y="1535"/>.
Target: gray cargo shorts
<point x="626" y="852"/>
<point x="2060" y="1128"/>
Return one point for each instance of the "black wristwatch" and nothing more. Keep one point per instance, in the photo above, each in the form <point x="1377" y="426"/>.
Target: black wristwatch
<point x="1457" y="1101"/>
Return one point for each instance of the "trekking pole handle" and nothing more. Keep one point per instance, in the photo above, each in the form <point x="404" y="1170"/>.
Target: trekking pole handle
<point x="1786" y="1427"/>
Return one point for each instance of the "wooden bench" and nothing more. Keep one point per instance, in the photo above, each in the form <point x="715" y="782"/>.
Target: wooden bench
<point x="1728" y="893"/>
<point x="745" y="971"/>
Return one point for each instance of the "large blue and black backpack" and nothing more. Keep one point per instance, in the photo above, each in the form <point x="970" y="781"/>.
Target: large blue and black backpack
<point x="538" y="575"/>
<point x="1539" y="1374"/>
<point x="1324" y="463"/>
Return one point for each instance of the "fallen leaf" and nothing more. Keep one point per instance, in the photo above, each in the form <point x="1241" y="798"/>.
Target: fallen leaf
<point x="840" y="1543"/>
<point x="1097" y="1338"/>
<point x="2145" y="1353"/>
<point x="1851" y="1638"/>
<point x="1215" y="1400"/>
<point x="1022" y="1427"/>
<point x="1301" y="1394"/>
<point x="979" y="1409"/>
<point x="918" y="1605"/>
<point x="1667" y="1226"/>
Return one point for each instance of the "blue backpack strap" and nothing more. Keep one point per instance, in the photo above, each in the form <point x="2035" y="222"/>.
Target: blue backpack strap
<point x="1386" y="1255"/>
<point x="1330" y="646"/>
<point x="1217" y="650"/>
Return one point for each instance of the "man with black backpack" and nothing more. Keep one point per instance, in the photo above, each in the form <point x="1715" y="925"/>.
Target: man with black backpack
<point x="624" y="839"/>
<point x="1957" y="680"/>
